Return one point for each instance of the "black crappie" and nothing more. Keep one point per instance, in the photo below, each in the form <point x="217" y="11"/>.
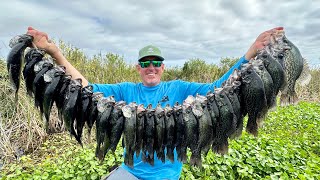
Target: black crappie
<point x="32" y="57"/>
<point x="159" y="132"/>
<point x="84" y="102"/>
<point x="233" y="93"/>
<point x="170" y="132"/>
<point x="129" y="132"/>
<point x="253" y="98"/>
<point x="192" y="133"/>
<point x="39" y="84"/>
<point x="275" y="70"/>
<point x="15" y="58"/>
<point x="52" y="78"/>
<point x="104" y="107"/>
<point x="70" y="109"/>
<point x="292" y="65"/>
<point x="116" y="123"/>
<point x="227" y="122"/>
<point x="180" y="134"/>
<point x="266" y="78"/>
<point x="93" y="111"/>
<point x="200" y="110"/>
<point x="140" y="129"/>
<point x="60" y="98"/>
<point x="148" y="140"/>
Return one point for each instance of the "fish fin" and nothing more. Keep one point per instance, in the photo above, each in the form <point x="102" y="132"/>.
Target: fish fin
<point x="16" y="97"/>
<point x="252" y="127"/>
<point x="287" y="99"/>
<point x="221" y="147"/>
<point x="239" y="128"/>
<point x="305" y="76"/>
<point x="195" y="159"/>
<point x="170" y="154"/>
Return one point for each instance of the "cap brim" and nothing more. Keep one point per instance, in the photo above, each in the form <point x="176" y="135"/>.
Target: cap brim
<point x="160" y="58"/>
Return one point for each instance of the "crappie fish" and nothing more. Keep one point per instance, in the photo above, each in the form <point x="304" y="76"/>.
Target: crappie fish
<point x="116" y="123"/>
<point x="293" y="66"/>
<point x="266" y="78"/>
<point x="84" y="102"/>
<point x="159" y="132"/>
<point x="214" y="114"/>
<point x="140" y="129"/>
<point x="192" y="133"/>
<point x="200" y="110"/>
<point x="180" y="134"/>
<point x="104" y="107"/>
<point x="233" y="94"/>
<point x="129" y="132"/>
<point x="149" y="131"/>
<point x="253" y="98"/>
<point x="275" y="70"/>
<point x="15" y="58"/>
<point x="93" y="111"/>
<point x="39" y="84"/>
<point x="60" y="98"/>
<point x="70" y="109"/>
<point x="32" y="57"/>
<point x="52" y="78"/>
<point x="170" y="132"/>
<point x="227" y="122"/>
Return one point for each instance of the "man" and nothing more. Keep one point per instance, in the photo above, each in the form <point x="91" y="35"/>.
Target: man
<point x="150" y="91"/>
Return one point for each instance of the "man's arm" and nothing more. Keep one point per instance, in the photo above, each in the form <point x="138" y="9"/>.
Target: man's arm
<point x="42" y="41"/>
<point x="262" y="40"/>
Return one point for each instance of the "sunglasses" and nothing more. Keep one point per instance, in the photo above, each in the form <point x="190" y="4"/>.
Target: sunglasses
<point x="145" y="64"/>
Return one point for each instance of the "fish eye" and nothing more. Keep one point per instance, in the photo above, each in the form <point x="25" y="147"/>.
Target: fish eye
<point x="261" y="67"/>
<point x="280" y="55"/>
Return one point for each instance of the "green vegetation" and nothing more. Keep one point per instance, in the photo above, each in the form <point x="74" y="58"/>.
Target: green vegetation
<point x="288" y="145"/>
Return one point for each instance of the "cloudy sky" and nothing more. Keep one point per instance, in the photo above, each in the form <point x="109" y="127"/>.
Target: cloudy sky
<point x="183" y="29"/>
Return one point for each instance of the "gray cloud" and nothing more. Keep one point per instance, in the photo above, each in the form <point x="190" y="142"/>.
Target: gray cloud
<point x="182" y="29"/>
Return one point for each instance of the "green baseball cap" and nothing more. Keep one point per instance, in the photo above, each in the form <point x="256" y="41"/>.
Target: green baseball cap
<point x="150" y="50"/>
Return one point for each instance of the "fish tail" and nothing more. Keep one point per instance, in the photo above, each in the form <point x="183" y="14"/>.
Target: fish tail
<point x="239" y="128"/>
<point x="183" y="155"/>
<point x="161" y="156"/>
<point x="151" y="161"/>
<point x="78" y="138"/>
<point x="138" y="153"/>
<point x="273" y="102"/>
<point x="89" y="136"/>
<point x="287" y="99"/>
<point x="195" y="159"/>
<point x="170" y="154"/>
<point x="128" y="159"/>
<point x="98" y="151"/>
<point x="16" y="97"/>
<point x="305" y="76"/>
<point x="144" y="158"/>
<point x="221" y="147"/>
<point x="252" y="126"/>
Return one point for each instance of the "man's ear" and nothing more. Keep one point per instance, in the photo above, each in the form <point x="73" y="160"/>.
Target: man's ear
<point x="138" y="67"/>
<point x="162" y="66"/>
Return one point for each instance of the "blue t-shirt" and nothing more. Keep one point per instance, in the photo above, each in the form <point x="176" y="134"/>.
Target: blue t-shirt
<point x="176" y="91"/>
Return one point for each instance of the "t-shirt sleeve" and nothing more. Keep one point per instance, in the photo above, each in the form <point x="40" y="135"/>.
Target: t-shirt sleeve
<point x="193" y="88"/>
<point x="109" y="89"/>
<point x="242" y="60"/>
